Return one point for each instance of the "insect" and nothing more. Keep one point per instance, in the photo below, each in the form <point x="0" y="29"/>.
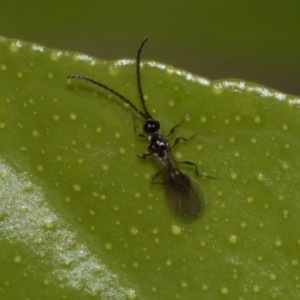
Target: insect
<point x="184" y="200"/>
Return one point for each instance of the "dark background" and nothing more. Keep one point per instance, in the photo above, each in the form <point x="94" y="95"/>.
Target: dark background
<point x="254" y="40"/>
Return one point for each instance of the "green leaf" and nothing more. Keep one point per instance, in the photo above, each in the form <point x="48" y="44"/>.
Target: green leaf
<point x="78" y="216"/>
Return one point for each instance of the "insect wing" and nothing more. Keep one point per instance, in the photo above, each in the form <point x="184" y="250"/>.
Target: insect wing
<point x="182" y="196"/>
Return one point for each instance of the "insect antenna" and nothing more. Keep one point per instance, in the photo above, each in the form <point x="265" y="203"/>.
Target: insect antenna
<point x="144" y="114"/>
<point x="110" y="90"/>
<point x="138" y="76"/>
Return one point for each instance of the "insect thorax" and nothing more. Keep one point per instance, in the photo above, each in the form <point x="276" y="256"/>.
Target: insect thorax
<point x="159" y="146"/>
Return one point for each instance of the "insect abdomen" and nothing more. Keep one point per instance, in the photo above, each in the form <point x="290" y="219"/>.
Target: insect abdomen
<point x="182" y="196"/>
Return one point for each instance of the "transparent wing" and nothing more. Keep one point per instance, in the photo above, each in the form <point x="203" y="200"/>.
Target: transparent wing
<point x="184" y="199"/>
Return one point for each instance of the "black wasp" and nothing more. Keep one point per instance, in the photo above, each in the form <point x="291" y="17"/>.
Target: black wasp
<point x="179" y="191"/>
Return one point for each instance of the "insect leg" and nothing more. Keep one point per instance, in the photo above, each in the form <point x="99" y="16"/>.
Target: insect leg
<point x="143" y="135"/>
<point x="190" y="163"/>
<point x="135" y="127"/>
<point x="184" y="139"/>
<point x="153" y="177"/>
<point x="174" y="127"/>
<point x="145" y="155"/>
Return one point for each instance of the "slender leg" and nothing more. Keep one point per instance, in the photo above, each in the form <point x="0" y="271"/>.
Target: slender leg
<point x="143" y="135"/>
<point x="184" y="139"/>
<point x="153" y="177"/>
<point x="174" y="127"/>
<point x="145" y="155"/>
<point x="190" y="163"/>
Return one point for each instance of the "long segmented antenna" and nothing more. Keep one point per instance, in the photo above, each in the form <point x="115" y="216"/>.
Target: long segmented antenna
<point x="138" y="76"/>
<point x="110" y="90"/>
<point x="144" y="114"/>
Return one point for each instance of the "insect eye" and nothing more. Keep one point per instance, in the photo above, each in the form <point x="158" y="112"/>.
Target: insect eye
<point x="151" y="126"/>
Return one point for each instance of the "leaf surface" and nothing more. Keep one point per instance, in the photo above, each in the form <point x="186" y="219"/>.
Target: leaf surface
<point x="78" y="216"/>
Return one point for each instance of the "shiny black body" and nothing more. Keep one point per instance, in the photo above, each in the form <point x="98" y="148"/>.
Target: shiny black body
<point x="179" y="191"/>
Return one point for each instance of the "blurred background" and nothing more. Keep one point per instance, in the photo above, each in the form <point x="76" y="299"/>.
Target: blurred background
<point x="257" y="41"/>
